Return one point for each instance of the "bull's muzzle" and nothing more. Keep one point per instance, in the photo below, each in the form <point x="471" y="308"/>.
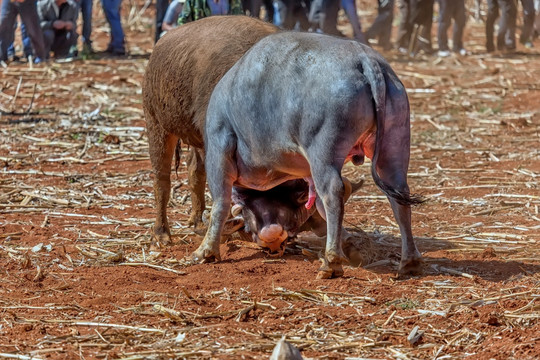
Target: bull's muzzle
<point x="272" y="237"/>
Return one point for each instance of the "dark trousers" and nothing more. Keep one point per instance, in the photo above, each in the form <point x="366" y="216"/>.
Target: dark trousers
<point x="161" y="9"/>
<point x="59" y="41"/>
<point x="350" y="8"/>
<point x="27" y="10"/>
<point x="422" y="16"/>
<point x="382" y="26"/>
<point x="295" y="12"/>
<point x="451" y="9"/>
<point x="254" y="7"/>
<point x="323" y="16"/>
<point x="405" y="25"/>
<point x="528" y="21"/>
<point x="507" y="22"/>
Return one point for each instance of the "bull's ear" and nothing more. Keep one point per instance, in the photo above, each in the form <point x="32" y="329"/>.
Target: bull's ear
<point x="233" y="225"/>
<point x="302" y="197"/>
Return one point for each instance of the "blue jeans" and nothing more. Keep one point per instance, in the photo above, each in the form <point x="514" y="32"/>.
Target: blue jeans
<point x="220" y="8"/>
<point x="27" y="44"/>
<point x="27" y="10"/>
<point x="111" y="8"/>
<point x="85" y="6"/>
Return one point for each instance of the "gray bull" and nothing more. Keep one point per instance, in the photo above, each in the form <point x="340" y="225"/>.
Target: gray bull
<point x="300" y="105"/>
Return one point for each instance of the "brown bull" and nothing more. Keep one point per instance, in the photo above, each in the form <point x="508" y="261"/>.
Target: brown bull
<point x="183" y="70"/>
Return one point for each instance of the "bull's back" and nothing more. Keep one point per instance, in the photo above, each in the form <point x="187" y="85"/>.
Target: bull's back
<point x="187" y="63"/>
<point x="296" y="81"/>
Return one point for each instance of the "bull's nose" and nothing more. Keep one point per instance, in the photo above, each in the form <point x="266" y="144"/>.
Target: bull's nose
<point x="272" y="236"/>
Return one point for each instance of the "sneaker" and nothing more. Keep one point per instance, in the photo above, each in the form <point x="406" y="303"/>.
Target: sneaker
<point x="444" y="53"/>
<point x="528" y="45"/>
<point x="463" y="52"/>
<point x="402" y="50"/>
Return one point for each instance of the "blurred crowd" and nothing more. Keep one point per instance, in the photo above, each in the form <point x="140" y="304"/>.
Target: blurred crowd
<point x="50" y="26"/>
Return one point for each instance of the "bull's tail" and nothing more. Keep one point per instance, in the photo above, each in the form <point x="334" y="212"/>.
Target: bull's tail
<point x="377" y="81"/>
<point x="177" y="154"/>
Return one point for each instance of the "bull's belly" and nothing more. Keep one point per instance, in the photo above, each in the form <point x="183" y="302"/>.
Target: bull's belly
<point x="267" y="175"/>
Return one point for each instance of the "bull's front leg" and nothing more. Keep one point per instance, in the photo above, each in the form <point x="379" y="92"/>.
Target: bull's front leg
<point x="197" y="186"/>
<point x="330" y="190"/>
<point x="161" y="148"/>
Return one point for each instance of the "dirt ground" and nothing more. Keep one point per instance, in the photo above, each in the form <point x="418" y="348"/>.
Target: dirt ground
<point x="78" y="279"/>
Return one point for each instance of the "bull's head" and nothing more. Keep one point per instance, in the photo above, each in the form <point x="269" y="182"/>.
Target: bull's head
<point x="272" y="217"/>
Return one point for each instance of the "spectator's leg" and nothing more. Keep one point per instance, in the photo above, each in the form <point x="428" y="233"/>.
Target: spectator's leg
<point x="48" y="39"/>
<point x="460" y="18"/>
<point x="445" y="19"/>
<point x="386" y="34"/>
<point x="86" y="12"/>
<point x="62" y="42"/>
<point x="29" y="16"/>
<point x="255" y="8"/>
<point x="330" y="19"/>
<point x="269" y="7"/>
<point x="405" y="28"/>
<point x="537" y="18"/>
<point x="350" y="8"/>
<point x="8" y="16"/>
<point x="161" y="9"/>
<point x="492" y="15"/>
<point x="379" y="28"/>
<point x="27" y="43"/>
<point x="528" y="21"/>
<point x="316" y="14"/>
<point x="506" y="34"/>
<point x="111" y="8"/>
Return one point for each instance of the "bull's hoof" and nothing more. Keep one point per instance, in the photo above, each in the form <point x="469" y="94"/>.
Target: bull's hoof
<point x="412" y="266"/>
<point x="202" y="255"/>
<point x="160" y="238"/>
<point x="199" y="222"/>
<point x="328" y="271"/>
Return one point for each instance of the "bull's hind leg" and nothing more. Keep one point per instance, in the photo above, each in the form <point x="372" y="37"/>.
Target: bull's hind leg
<point x="221" y="173"/>
<point x="330" y="190"/>
<point x="161" y="147"/>
<point x="197" y="185"/>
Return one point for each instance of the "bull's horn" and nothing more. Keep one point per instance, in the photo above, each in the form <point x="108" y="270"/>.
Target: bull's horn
<point x="236" y="210"/>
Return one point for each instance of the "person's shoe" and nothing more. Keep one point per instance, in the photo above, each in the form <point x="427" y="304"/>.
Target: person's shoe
<point x="402" y="50"/>
<point x="116" y="51"/>
<point x="463" y="52"/>
<point x="444" y="53"/>
<point x="528" y="45"/>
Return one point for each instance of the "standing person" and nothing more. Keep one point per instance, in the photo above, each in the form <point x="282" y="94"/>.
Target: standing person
<point x="57" y="21"/>
<point x="382" y="26"/>
<point x="111" y="8"/>
<point x="448" y="10"/>
<point x="85" y="8"/>
<point x="405" y="26"/>
<point x="507" y="21"/>
<point x="27" y="10"/>
<point x="422" y="21"/>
